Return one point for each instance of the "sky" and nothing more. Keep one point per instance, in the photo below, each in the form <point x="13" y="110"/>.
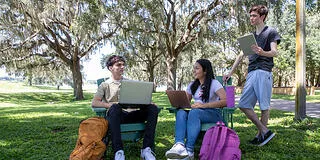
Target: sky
<point x="92" y="68"/>
<point x="3" y="72"/>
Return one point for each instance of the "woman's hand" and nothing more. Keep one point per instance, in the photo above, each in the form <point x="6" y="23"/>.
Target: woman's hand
<point x="197" y="105"/>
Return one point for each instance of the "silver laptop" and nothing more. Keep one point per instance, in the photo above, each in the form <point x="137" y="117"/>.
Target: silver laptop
<point x="134" y="93"/>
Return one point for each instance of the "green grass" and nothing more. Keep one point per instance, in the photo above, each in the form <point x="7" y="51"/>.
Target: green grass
<point x="313" y="98"/>
<point x="44" y="125"/>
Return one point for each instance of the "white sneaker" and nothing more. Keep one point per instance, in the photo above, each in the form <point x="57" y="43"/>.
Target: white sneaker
<point x="119" y="155"/>
<point x="190" y="155"/>
<point x="178" y="151"/>
<point x="147" y="154"/>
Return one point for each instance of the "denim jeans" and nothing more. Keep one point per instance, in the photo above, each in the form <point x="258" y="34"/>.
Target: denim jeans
<point x="116" y="116"/>
<point x="188" y="124"/>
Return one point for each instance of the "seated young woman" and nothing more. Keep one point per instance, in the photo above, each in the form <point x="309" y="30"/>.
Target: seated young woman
<point x="209" y="95"/>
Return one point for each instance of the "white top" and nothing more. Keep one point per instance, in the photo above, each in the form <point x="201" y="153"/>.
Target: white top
<point x="215" y="86"/>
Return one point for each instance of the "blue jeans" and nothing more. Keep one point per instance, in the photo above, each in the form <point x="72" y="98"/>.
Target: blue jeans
<point x="188" y="124"/>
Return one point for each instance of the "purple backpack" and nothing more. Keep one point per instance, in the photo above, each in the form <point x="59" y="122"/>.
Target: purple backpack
<point x="220" y="143"/>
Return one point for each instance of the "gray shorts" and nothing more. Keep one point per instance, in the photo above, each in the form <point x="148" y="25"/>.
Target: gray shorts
<point x="258" y="86"/>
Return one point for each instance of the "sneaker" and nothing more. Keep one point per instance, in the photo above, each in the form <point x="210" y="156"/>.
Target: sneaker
<point x="266" y="138"/>
<point x="119" y="155"/>
<point x="190" y="155"/>
<point x="178" y="151"/>
<point x="147" y="154"/>
<point x="254" y="141"/>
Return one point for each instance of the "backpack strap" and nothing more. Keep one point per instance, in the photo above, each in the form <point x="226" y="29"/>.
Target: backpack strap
<point x="213" y="139"/>
<point x="222" y="139"/>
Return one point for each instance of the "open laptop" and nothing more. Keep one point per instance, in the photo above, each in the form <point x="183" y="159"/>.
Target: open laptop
<point x="178" y="99"/>
<point x="246" y="42"/>
<point x="135" y="93"/>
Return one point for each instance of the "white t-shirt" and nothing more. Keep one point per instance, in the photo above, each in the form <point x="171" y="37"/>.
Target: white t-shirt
<point x="215" y="86"/>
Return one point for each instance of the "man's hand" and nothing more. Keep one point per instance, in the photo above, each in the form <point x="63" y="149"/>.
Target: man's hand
<point x="225" y="78"/>
<point x="108" y="105"/>
<point x="256" y="49"/>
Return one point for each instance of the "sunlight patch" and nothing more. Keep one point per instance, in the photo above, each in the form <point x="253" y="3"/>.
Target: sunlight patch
<point x="37" y="115"/>
<point x="161" y="145"/>
<point x="275" y="121"/>
<point x="4" y="143"/>
<point x="7" y="105"/>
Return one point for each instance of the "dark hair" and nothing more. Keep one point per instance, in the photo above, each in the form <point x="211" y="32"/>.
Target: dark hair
<point x="207" y="67"/>
<point x="260" y="9"/>
<point x="114" y="59"/>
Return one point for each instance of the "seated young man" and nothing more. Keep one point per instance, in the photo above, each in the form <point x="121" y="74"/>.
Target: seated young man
<point x="107" y="97"/>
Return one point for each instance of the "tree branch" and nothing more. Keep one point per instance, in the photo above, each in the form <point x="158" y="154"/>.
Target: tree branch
<point x="20" y="44"/>
<point x="105" y="36"/>
<point x="55" y="45"/>
<point x="194" y="21"/>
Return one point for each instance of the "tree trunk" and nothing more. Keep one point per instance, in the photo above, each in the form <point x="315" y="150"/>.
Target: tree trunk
<point x="77" y="80"/>
<point x="312" y="77"/>
<point x="151" y="75"/>
<point x="279" y="81"/>
<point x="181" y="80"/>
<point x="171" y="69"/>
<point x="240" y="80"/>
<point x="318" y="80"/>
<point x="30" y="81"/>
<point x="300" y="109"/>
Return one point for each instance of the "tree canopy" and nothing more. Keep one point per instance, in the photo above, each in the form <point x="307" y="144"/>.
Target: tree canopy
<point x="160" y="39"/>
<point x="37" y="33"/>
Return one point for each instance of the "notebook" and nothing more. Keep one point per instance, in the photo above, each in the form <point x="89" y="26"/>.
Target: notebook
<point x="135" y="93"/>
<point x="246" y="42"/>
<point x="178" y="99"/>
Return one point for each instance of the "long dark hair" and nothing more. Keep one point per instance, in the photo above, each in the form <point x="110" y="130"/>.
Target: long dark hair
<point x="207" y="67"/>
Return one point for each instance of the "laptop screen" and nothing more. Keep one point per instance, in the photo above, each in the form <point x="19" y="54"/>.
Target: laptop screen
<point x="135" y="92"/>
<point x="178" y="99"/>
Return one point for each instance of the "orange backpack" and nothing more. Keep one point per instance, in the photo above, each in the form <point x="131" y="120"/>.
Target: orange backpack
<point x="89" y="144"/>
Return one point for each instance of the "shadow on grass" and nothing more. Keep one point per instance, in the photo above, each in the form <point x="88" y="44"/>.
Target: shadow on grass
<point x="36" y="128"/>
<point x="293" y="140"/>
<point x="40" y="97"/>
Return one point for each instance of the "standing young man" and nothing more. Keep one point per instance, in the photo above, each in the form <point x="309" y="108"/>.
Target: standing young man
<point x="107" y="97"/>
<point x="259" y="80"/>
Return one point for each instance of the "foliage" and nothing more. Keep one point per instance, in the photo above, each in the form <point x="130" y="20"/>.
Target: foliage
<point x="53" y="34"/>
<point x="160" y="31"/>
<point x="283" y="17"/>
<point x="44" y="125"/>
<point x="160" y="39"/>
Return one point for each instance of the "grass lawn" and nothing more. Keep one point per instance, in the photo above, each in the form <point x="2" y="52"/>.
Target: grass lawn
<point x="309" y="99"/>
<point x="42" y="123"/>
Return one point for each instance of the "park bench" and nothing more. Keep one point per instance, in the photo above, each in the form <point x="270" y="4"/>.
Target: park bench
<point x="227" y="112"/>
<point x="129" y="131"/>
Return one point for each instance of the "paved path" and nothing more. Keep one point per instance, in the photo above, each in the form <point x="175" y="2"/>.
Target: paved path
<point x="313" y="109"/>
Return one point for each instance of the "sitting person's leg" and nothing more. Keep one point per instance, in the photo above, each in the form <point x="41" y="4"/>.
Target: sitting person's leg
<point x="178" y="151"/>
<point x="181" y="126"/>
<point x="149" y="114"/>
<point x="195" y="118"/>
<point x="149" y="134"/>
<point x="152" y="118"/>
<point x="115" y="116"/>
